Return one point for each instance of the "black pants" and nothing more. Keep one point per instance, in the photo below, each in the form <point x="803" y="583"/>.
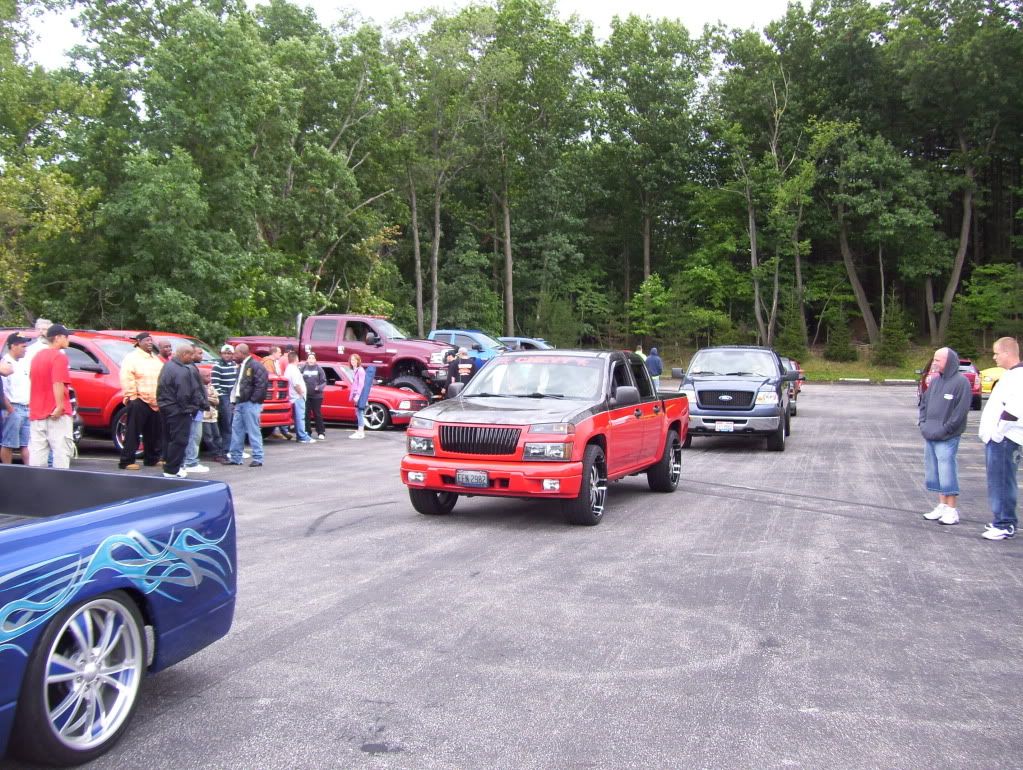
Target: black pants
<point x="314" y="410"/>
<point x="179" y="430"/>
<point x="224" y="412"/>
<point x="142" y="420"/>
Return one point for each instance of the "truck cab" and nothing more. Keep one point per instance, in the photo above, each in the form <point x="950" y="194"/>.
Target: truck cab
<point x="480" y="345"/>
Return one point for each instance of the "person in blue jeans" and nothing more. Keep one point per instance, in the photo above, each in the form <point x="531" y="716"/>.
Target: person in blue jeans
<point x="248" y="395"/>
<point x="944" y="407"/>
<point x="296" y="395"/>
<point x="1001" y="430"/>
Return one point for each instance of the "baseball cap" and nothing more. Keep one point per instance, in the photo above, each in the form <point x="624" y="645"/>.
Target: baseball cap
<point x="227" y="349"/>
<point x="141" y="336"/>
<point x="57" y="330"/>
<point x="17" y="339"/>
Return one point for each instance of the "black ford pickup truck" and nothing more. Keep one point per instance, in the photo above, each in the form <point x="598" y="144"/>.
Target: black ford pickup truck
<point x="737" y="391"/>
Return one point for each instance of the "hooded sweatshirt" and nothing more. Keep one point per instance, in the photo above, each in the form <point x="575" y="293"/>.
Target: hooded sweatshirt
<point x="946" y="403"/>
<point x="654" y="364"/>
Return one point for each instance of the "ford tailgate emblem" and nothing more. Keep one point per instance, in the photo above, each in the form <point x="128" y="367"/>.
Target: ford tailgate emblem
<point x="724" y="397"/>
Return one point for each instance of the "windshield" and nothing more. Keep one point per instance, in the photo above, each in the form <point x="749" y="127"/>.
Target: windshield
<point x="116" y="349"/>
<point x="389" y="330"/>
<point x="538" y="377"/>
<point x="747" y="363"/>
<point x="488" y="342"/>
<point x="208" y="356"/>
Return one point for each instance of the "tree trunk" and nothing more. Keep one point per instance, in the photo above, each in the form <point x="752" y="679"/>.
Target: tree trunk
<point x="880" y="270"/>
<point x="772" y="321"/>
<point x="417" y="255"/>
<point x="509" y="290"/>
<point x="932" y="321"/>
<point x="754" y="259"/>
<point x="800" y="293"/>
<point x="854" y="279"/>
<point x="964" y="241"/>
<point x="434" y="255"/>
<point x="646" y="245"/>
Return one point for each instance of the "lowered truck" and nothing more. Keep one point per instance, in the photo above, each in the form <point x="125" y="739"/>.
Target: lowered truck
<point x="401" y="362"/>
<point x="555" y="425"/>
<point x="104" y="578"/>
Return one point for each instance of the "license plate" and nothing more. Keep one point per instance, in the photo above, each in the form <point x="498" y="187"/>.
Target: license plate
<point x="472" y="478"/>
<point x="724" y="427"/>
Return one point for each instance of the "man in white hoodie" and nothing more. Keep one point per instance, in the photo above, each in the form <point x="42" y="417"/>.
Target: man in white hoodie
<point x="1001" y="430"/>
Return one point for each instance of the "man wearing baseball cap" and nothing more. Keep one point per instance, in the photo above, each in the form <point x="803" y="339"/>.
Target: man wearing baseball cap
<point x="223" y="377"/>
<point x="140" y="372"/>
<point x="16" y="430"/>
<point x="49" y="407"/>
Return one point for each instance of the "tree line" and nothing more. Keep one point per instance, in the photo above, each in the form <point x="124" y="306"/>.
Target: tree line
<point x="210" y="168"/>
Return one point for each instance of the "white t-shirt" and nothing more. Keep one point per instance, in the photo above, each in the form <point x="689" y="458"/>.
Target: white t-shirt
<point x="296" y="382"/>
<point x="1007" y="396"/>
<point x="17" y="386"/>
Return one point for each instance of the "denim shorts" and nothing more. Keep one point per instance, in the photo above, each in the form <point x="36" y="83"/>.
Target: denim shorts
<point x="941" y="473"/>
<point x="16" y="428"/>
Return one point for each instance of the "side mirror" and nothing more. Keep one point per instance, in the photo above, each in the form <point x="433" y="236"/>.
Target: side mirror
<point x="789" y="376"/>
<point x="455" y="388"/>
<point x="478" y="347"/>
<point x="677" y="373"/>
<point x="94" y="368"/>
<point x="802" y="377"/>
<point x="627" y="395"/>
<point x="372" y="339"/>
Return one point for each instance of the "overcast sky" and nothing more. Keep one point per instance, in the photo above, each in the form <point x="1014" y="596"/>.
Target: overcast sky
<point x="56" y="34"/>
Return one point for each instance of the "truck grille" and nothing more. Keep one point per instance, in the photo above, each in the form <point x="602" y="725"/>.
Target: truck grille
<point x="725" y="399"/>
<point x="471" y="439"/>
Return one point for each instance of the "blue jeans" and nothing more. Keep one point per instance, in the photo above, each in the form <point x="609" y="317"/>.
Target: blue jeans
<point x="298" y="407"/>
<point x="1002" y="460"/>
<point x="941" y="474"/>
<point x="16" y="432"/>
<point x="246" y="423"/>
<point x="360" y="417"/>
<point x="192" y="450"/>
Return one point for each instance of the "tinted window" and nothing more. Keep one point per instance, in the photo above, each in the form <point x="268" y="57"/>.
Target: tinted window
<point x="619" y="377"/>
<point x="734" y="362"/>
<point x="77" y="358"/>
<point x="643" y="382"/>
<point x="535" y="376"/>
<point x="324" y="330"/>
<point x="464" y="341"/>
<point x="116" y="349"/>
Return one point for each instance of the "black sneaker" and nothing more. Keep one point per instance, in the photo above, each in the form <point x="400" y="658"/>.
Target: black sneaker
<point x="255" y="464"/>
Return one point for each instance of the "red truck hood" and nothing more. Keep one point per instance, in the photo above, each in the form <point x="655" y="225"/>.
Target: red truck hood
<point x="505" y="410"/>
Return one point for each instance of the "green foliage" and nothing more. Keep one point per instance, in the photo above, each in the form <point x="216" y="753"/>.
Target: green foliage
<point x="993" y="298"/>
<point x="891" y="351"/>
<point x="467" y="299"/>
<point x="839" y="346"/>
<point x="963" y="331"/>
<point x="790" y="341"/>
<point x="648" y="308"/>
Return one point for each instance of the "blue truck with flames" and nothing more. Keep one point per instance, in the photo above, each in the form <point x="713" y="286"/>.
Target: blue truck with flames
<point x="103" y="579"/>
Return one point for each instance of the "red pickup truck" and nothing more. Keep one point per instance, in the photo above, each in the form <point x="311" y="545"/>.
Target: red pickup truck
<point x="401" y="362"/>
<point x="546" y="424"/>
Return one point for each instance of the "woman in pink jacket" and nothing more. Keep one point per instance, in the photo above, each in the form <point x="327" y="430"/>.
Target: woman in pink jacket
<point x="359" y="394"/>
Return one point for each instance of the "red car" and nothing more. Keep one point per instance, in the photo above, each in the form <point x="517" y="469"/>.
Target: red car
<point x="387" y="406"/>
<point x="276" y="409"/>
<point x="967" y="368"/>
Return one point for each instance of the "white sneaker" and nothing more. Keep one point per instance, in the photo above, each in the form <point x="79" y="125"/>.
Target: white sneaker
<point x="321" y="437"/>
<point x="181" y="474"/>
<point x="198" y="469"/>
<point x="950" y="516"/>
<point x="934" y="515"/>
<point x="357" y="434"/>
<point x="246" y="455"/>
<point x="991" y="532"/>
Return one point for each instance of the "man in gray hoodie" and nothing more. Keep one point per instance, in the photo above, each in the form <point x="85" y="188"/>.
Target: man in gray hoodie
<point x="944" y="407"/>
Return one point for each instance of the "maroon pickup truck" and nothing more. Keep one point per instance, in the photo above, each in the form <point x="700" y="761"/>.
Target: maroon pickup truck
<point x="546" y="424"/>
<point x="401" y="362"/>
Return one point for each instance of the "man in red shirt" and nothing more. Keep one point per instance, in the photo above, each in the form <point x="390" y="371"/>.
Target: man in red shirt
<point x="49" y="407"/>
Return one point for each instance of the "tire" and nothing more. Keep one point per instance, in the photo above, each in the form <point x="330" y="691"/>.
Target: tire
<point x="431" y="503"/>
<point x="776" y="441"/>
<point x="788" y="424"/>
<point x="664" y="475"/>
<point x="118" y="428"/>
<point x="377" y="416"/>
<point x="687" y="441"/>
<point x="976" y="403"/>
<point x="588" y="508"/>
<point x="411" y="383"/>
<point x="64" y="684"/>
<point x="793" y="409"/>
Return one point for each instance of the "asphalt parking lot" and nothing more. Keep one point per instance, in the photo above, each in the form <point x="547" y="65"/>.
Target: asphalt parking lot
<point x="779" y="610"/>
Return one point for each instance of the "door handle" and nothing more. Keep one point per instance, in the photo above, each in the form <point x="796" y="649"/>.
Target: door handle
<point x="657" y="409"/>
<point x="638" y="412"/>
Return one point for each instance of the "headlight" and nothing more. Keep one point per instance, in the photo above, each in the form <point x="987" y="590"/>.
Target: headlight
<point x="558" y="428"/>
<point x="765" y="397"/>
<point x="688" y="391"/>
<point x="404" y="404"/>
<point x="437" y="357"/>
<point x="420" y="445"/>
<point x="555" y="452"/>
<point x="986" y="379"/>
<point x="421" y="422"/>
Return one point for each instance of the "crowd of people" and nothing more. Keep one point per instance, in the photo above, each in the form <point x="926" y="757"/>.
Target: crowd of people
<point x="173" y="407"/>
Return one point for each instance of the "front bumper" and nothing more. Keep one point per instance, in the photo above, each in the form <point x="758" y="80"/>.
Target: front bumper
<point x="402" y="416"/>
<point x="739" y="424"/>
<point x="507" y="479"/>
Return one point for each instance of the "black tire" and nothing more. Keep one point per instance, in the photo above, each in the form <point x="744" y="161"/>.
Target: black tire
<point x="976" y="403"/>
<point x="412" y="383"/>
<point x="432" y="503"/>
<point x="687" y="441"/>
<point x="788" y="424"/>
<point x="377" y="416"/>
<point x="793" y="409"/>
<point x="664" y="475"/>
<point x="35" y="736"/>
<point x="776" y="441"/>
<point x="588" y="508"/>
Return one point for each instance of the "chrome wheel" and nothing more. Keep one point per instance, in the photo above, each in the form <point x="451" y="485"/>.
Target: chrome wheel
<point x="598" y="491"/>
<point x="675" y="467"/>
<point x="92" y="674"/>
<point x="376" y="417"/>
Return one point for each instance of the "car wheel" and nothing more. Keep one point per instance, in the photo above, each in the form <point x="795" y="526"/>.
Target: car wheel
<point x="412" y="384"/>
<point x="687" y="441"/>
<point x="377" y="417"/>
<point x="788" y="425"/>
<point x="665" y="475"/>
<point x="776" y="441"/>
<point x="588" y="508"/>
<point x="433" y="503"/>
<point x="82" y="682"/>
<point x="793" y="409"/>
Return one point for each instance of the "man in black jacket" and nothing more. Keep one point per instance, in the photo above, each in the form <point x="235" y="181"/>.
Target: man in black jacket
<point x="248" y="395"/>
<point x="180" y="396"/>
